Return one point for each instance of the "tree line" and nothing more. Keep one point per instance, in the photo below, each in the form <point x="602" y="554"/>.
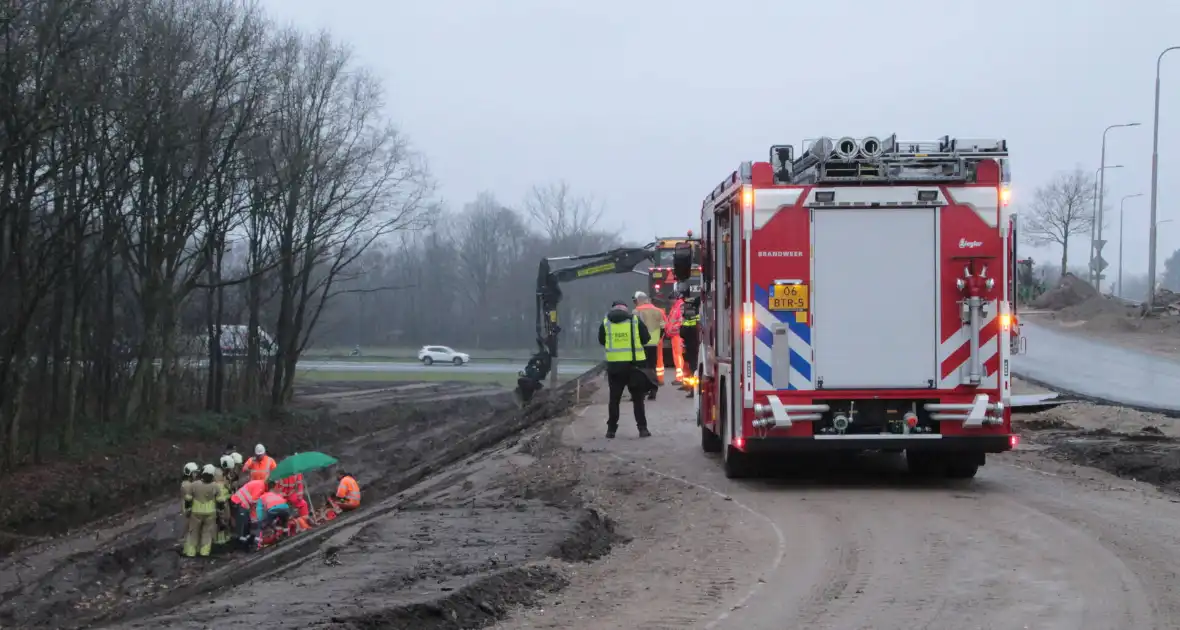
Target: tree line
<point x="470" y="280"/>
<point x="1061" y="213"/>
<point x="169" y="168"/>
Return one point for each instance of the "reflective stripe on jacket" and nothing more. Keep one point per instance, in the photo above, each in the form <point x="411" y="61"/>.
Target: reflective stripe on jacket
<point x="204" y="497"/>
<point x="676" y="317"/>
<point x="290" y="486"/>
<point x="248" y="494"/>
<point x="268" y="502"/>
<point x="259" y="467"/>
<point x="622" y="341"/>
<point x="349" y="491"/>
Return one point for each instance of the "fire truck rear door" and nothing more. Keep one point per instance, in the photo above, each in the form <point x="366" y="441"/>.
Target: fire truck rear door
<point x="874" y="297"/>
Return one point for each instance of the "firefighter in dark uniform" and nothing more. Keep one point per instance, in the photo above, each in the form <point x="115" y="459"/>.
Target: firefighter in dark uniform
<point x="690" y="334"/>
<point x="624" y="336"/>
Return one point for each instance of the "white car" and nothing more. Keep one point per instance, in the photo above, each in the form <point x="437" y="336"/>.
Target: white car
<point x="442" y="354"/>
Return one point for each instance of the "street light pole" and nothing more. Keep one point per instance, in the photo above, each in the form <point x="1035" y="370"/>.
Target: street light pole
<point x="1122" y="211"/>
<point x="1094" y="221"/>
<point x="1097" y="273"/>
<point x="1155" y="158"/>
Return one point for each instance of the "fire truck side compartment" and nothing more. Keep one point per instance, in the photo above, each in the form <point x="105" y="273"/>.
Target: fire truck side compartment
<point x="875" y="297"/>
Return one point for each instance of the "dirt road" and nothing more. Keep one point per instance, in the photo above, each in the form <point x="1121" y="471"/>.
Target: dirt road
<point x="1030" y="543"/>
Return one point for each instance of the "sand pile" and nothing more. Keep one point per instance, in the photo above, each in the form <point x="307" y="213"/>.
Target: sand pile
<point x="1099" y="307"/>
<point x="1070" y="290"/>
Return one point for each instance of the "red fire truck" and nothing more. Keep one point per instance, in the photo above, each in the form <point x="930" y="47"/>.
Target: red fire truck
<point x="860" y="298"/>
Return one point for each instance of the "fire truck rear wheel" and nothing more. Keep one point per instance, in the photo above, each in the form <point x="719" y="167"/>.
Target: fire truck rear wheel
<point x="738" y="465"/>
<point x="710" y="443"/>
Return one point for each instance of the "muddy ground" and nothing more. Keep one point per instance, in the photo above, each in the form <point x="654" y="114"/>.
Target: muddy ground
<point x="129" y="568"/>
<point x="468" y="522"/>
<point x="1124" y="442"/>
<point x="38" y="502"/>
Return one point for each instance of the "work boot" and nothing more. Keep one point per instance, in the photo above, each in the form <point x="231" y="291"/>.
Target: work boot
<point x="610" y="434"/>
<point x="644" y="433"/>
<point x="652" y="395"/>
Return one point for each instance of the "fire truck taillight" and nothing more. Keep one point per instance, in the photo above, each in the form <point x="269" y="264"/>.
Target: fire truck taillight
<point x="747" y="323"/>
<point x="1005" y="196"/>
<point x="747" y="197"/>
<point x="657" y="286"/>
<point x="1006" y="321"/>
<point x="1013" y="441"/>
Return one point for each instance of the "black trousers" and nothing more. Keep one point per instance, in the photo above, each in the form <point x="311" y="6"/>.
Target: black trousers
<point x="633" y="381"/>
<point x="241" y="523"/>
<point x="692" y="348"/>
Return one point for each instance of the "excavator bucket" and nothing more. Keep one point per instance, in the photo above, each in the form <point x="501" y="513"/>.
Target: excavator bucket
<point x="525" y="388"/>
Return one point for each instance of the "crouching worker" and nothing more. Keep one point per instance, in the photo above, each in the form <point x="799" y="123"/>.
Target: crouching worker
<point x="347" y="497"/>
<point x="295" y="491"/>
<point x="201" y="504"/>
<point x="348" y="493"/>
<point x="272" y="512"/>
<point x="243" y="503"/>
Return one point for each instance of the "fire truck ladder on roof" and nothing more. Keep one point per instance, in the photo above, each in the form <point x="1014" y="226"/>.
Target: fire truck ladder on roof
<point x="870" y="160"/>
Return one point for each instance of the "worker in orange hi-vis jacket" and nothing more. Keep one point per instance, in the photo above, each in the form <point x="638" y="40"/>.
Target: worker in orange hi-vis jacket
<point x="675" y="319"/>
<point x="656" y="322"/>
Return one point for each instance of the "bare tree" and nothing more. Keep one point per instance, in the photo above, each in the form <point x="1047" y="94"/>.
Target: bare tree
<point x="346" y="181"/>
<point x="561" y="214"/>
<point x="1060" y="209"/>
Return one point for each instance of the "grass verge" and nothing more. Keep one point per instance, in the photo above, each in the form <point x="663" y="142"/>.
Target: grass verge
<point x="451" y="374"/>
<point x="394" y="353"/>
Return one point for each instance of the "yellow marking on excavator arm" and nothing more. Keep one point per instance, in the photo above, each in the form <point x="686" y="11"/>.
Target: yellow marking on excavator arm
<point x="597" y="269"/>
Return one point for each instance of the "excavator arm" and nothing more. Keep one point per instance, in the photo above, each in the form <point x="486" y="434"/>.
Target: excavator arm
<point x="549" y="281"/>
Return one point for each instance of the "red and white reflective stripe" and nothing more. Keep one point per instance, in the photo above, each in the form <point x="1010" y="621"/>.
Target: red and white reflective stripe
<point x="1005" y="340"/>
<point x="242" y="497"/>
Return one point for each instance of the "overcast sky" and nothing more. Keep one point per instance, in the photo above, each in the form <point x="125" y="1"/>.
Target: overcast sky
<point x="648" y="104"/>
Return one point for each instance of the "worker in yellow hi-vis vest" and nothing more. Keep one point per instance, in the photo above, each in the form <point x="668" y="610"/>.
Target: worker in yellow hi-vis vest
<point x="625" y="337"/>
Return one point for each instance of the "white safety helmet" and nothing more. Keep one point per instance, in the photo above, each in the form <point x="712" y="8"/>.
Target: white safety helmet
<point x="639" y="295"/>
<point x="209" y="469"/>
<point x="259" y="450"/>
<point x="237" y="458"/>
<point x="190" y="469"/>
<point x="227" y="462"/>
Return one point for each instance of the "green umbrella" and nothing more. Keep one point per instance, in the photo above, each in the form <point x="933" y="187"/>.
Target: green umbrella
<point x="300" y="463"/>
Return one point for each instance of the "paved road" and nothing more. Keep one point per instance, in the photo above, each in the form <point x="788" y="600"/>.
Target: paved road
<point x="1030" y="543"/>
<point x="1076" y="364"/>
<point x="563" y="367"/>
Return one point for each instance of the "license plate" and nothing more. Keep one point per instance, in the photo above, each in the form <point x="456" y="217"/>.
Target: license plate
<point x="790" y="297"/>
